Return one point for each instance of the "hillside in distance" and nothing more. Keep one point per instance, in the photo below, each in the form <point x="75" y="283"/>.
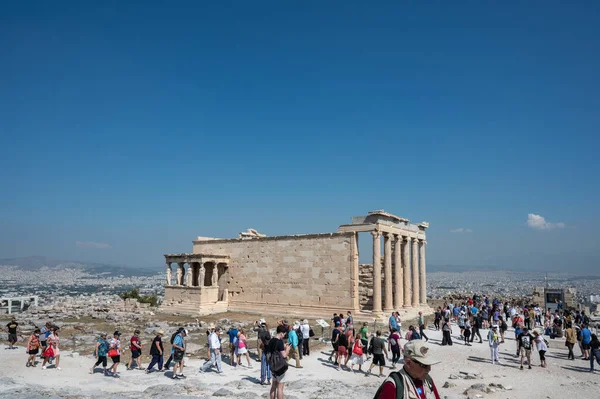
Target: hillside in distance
<point x="34" y="263"/>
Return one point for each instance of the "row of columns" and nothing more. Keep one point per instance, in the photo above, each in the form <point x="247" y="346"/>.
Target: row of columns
<point x="408" y="286"/>
<point x="21" y="301"/>
<point x="189" y="279"/>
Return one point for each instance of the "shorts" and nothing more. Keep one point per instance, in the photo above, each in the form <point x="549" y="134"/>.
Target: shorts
<point x="116" y="359"/>
<point x="34" y="351"/>
<point x="342" y="351"/>
<point x="43" y="343"/>
<point x="586" y="346"/>
<point x="242" y="351"/>
<point x="280" y="378"/>
<point x="178" y="356"/>
<point x="136" y="353"/>
<point x="378" y="359"/>
<point x="12" y="338"/>
<point x="335" y="347"/>
<point x="526" y="352"/>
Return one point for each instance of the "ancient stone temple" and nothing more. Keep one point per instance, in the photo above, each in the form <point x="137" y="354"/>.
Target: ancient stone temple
<point x="310" y="274"/>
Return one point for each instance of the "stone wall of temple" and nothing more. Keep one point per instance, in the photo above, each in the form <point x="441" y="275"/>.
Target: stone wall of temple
<point x="293" y="274"/>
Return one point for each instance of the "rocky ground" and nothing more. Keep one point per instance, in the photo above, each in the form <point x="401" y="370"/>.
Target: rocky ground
<point x="464" y="373"/>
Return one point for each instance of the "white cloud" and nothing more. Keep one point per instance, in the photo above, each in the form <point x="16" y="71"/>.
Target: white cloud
<point x="91" y="244"/>
<point x="538" y="222"/>
<point x="461" y="230"/>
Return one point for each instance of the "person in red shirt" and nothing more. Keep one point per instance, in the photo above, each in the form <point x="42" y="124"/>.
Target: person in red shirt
<point x="136" y="350"/>
<point x="413" y="381"/>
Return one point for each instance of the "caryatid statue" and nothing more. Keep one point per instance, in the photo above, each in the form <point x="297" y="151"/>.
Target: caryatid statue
<point x="168" y="274"/>
<point x="179" y="274"/>
<point x="201" y="277"/>
<point x="188" y="277"/>
<point x="215" y="276"/>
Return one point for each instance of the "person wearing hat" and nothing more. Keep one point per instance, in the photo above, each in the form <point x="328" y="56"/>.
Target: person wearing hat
<point x="214" y="344"/>
<point x="178" y="350"/>
<point x="494" y="342"/>
<point x="100" y="351"/>
<point x="157" y="351"/>
<point x="305" y="333"/>
<point x="136" y="350"/>
<point x="114" y="352"/>
<point x="413" y="380"/>
<point x="525" y="341"/>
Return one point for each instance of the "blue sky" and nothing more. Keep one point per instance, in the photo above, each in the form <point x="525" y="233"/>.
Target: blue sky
<point x="127" y="129"/>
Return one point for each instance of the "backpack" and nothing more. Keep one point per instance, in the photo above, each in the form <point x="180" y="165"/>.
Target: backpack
<point x="311" y="333"/>
<point x="399" y="382"/>
<point x="173" y="337"/>
<point x="276" y="360"/>
<point x="370" y="349"/>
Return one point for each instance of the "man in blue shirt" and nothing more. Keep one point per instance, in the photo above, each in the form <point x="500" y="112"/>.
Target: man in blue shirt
<point x="586" y="339"/>
<point x="392" y="325"/>
<point x="178" y="350"/>
<point x="232" y="332"/>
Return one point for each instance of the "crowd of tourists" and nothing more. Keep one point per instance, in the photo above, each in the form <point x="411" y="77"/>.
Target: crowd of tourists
<point x="352" y="345"/>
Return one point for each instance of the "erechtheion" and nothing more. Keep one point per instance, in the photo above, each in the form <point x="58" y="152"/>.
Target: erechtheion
<point x="315" y="274"/>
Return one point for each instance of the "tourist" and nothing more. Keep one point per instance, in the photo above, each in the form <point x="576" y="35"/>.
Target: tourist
<point x="413" y="380"/>
<point x="265" y="370"/>
<point x="215" y="352"/>
<point x="280" y="368"/>
<point x="379" y="350"/>
<point x="156" y="351"/>
<point x="484" y="316"/>
<point x="571" y="340"/>
<point x="494" y="342"/>
<point x="33" y="347"/>
<point x="114" y="352"/>
<point x="335" y="333"/>
<point x="259" y="325"/>
<point x="392" y="323"/>
<point x="503" y="328"/>
<point x="524" y="341"/>
<point x="100" y="351"/>
<point x="342" y="345"/>
<point x="477" y="324"/>
<point x="394" y="347"/>
<point x="349" y="319"/>
<point x="13" y="331"/>
<point x="296" y="328"/>
<point x="422" y="326"/>
<point x="412" y="333"/>
<point x="446" y="332"/>
<point x="399" y="323"/>
<point x="292" y="340"/>
<point x="305" y="334"/>
<point x="53" y="342"/>
<point x="178" y="351"/>
<point x="136" y="351"/>
<point x="336" y="319"/>
<point x="461" y="322"/>
<point x="242" y="348"/>
<point x="542" y="347"/>
<point x="168" y="362"/>
<point x="437" y="317"/>
<point x="595" y="351"/>
<point x="518" y="332"/>
<point x="232" y="332"/>
<point x="586" y="339"/>
<point x="467" y="332"/>
<point x="357" y="353"/>
<point x="43" y="331"/>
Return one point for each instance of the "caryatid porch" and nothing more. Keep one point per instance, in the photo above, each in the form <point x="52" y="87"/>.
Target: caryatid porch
<point x="404" y="265"/>
<point x="202" y="281"/>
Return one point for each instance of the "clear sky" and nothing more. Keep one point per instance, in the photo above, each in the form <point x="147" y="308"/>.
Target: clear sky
<point x="129" y="128"/>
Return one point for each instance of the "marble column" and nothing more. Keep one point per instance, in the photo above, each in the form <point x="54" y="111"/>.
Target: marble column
<point x="415" y="272"/>
<point x="398" y="287"/>
<point x="169" y="273"/>
<point x="387" y="261"/>
<point x="355" y="294"/>
<point x="376" y="272"/>
<point x="10" y="306"/>
<point x="422" y="272"/>
<point x="406" y="268"/>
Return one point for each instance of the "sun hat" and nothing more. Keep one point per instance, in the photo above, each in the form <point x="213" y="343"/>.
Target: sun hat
<point x="262" y="321"/>
<point x="185" y="332"/>
<point x="160" y="332"/>
<point x="421" y="352"/>
<point x="211" y="326"/>
<point x="304" y="321"/>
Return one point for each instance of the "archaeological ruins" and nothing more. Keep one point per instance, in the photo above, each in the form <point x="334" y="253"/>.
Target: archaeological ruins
<point x="309" y="274"/>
